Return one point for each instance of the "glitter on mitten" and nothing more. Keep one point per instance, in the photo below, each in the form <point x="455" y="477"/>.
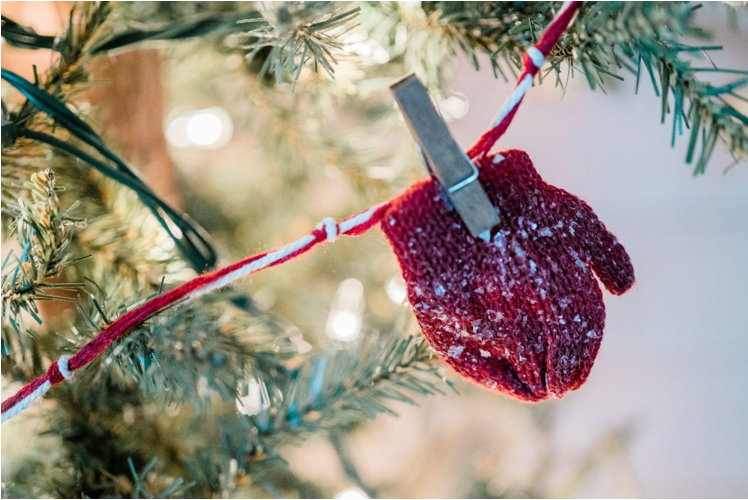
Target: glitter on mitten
<point x="520" y="313"/>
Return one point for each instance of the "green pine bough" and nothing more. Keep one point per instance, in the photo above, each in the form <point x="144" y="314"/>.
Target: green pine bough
<point x="44" y="232"/>
<point x="185" y="356"/>
<point x="606" y="40"/>
<point x="199" y="355"/>
<point x="606" y="37"/>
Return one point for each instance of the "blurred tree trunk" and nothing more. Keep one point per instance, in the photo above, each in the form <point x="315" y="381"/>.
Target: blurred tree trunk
<point x="128" y="94"/>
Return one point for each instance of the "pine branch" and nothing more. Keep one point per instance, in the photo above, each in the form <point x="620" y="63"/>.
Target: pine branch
<point x="141" y="488"/>
<point x="110" y="439"/>
<point x="340" y="388"/>
<point x="67" y="75"/>
<point x="45" y="232"/>
<point x="188" y="353"/>
<point x="181" y="29"/>
<point x="329" y="392"/>
<point x="703" y="107"/>
<point x="294" y="34"/>
<point x="605" y="38"/>
<point x="186" y="343"/>
<point x="646" y="36"/>
<point x="278" y="40"/>
<point x="283" y="39"/>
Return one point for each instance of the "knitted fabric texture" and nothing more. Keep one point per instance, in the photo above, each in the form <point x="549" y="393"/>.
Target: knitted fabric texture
<point x="521" y="313"/>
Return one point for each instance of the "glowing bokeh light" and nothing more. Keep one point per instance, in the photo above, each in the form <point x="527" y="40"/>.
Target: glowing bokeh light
<point x="344" y="320"/>
<point x="345" y="326"/>
<point x="208" y="128"/>
<point x="351" y="493"/>
<point x="395" y="289"/>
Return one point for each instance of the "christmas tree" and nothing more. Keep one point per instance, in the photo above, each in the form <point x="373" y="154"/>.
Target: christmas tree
<point x="112" y="197"/>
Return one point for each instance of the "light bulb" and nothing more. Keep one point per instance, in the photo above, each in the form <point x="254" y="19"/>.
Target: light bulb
<point x="204" y="129"/>
<point x="367" y="50"/>
<point x="176" y="132"/>
<point x="454" y="106"/>
<point x="395" y="289"/>
<point x="351" y="493"/>
<point x="345" y="326"/>
<point x="207" y="128"/>
<point x="344" y="321"/>
<point x="350" y="294"/>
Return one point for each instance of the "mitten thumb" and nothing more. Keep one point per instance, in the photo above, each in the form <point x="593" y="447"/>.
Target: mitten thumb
<point x="611" y="263"/>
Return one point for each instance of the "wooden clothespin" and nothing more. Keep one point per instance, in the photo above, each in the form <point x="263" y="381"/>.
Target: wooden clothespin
<point x="457" y="174"/>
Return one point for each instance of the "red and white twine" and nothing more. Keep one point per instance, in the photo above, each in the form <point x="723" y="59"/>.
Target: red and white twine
<point x="532" y="60"/>
<point x="327" y="230"/>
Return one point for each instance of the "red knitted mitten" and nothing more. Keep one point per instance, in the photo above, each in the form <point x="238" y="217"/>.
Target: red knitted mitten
<point x="522" y="313"/>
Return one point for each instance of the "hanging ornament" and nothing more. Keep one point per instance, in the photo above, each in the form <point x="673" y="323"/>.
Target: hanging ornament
<point x="498" y="264"/>
<point x="518" y="311"/>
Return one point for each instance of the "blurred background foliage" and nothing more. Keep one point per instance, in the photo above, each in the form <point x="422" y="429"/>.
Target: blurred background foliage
<point x="258" y="120"/>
